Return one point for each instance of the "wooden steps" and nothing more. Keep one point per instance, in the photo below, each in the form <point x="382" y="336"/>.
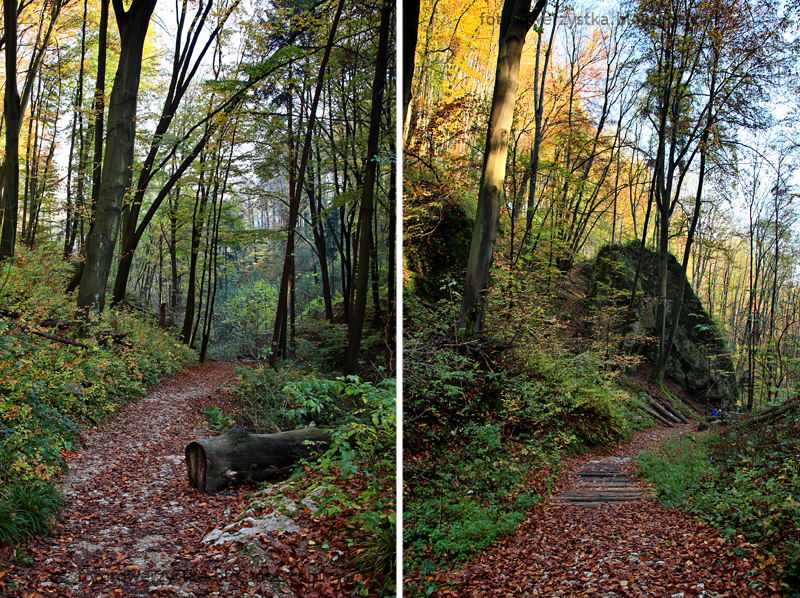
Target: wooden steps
<point x="599" y="483"/>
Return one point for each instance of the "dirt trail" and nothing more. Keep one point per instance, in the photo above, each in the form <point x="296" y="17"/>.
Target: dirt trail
<point x="132" y="524"/>
<point x="632" y="549"/>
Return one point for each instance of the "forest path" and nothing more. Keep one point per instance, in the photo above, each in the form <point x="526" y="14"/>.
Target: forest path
<point x="132" y="524"/>
<point x="615" y="550"/>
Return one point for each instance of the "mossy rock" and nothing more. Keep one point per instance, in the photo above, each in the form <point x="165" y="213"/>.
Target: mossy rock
<point x="699" y="361"/>
<point x="436" y="240"/>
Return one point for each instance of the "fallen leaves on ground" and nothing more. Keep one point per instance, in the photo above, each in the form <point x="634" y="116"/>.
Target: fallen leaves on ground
<point x="628" y="549"/>
<point x="133" y="525"/>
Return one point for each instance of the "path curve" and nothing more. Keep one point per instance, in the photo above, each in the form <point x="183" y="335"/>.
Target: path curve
<point x="636" y="549"/>
<point x="132" y="524"/>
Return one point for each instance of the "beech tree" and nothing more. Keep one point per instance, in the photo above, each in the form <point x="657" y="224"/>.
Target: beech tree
<point x="516" y="21"/>
<point x="366" y="210"/>
<point x="116" y="173"/>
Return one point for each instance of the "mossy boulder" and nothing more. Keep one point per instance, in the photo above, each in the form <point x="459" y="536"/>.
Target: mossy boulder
<point x="699" y="361"/>
<point x="436" y="238"/>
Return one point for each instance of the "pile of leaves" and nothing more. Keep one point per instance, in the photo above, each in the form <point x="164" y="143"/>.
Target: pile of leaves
<point x="630" y="549"/>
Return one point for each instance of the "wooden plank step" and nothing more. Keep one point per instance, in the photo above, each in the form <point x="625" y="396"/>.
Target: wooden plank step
<point x="571" y="495"/>
<point x="600" y="484"/>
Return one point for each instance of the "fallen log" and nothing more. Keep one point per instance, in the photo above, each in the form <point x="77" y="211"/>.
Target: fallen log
<point x="676" y="413"/>
<point x="659" y="417"/>
<point x="664" y="413"/>
<point x="239" y="457"/>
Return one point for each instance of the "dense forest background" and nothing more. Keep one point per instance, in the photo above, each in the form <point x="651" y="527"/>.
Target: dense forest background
<point x="228" y="173"/>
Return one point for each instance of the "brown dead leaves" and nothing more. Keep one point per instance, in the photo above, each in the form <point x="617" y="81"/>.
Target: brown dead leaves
<point x="133" y="526"/>
<point x="634" y="549"/>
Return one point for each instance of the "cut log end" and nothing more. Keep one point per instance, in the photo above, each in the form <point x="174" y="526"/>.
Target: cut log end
<point x="238" y="457"/>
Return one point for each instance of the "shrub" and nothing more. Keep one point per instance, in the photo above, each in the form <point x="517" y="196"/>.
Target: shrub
<point x="679" y="469"/>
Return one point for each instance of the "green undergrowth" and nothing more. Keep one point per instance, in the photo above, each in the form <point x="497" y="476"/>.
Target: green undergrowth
<point x="487" y="426"/>
<point x="49" y="390"/>
<point x="743" y="482"/>
<point x="27" y="509"/>
<point x="357" y="471"/>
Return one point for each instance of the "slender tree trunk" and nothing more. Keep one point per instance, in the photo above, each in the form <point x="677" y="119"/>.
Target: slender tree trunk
<point x="294" y="205"/>
<point x="318" y="227"/>
<point x="173" y="252"/>
<point x="198" y="218"/>
<point x="678" y="300"/>
<point x="516" y="20"/>
<point x="410" y="27"/>
<point x="538" y="92"/>
<point x="392" y="237"/>
<point x="356" y="323"/>
<point x="373" y="257"/>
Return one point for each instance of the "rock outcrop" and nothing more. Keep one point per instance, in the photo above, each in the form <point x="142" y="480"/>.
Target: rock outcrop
<point x="699" y="361"/>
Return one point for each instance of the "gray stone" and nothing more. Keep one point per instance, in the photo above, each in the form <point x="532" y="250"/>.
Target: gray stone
<point x="699" y="361"/>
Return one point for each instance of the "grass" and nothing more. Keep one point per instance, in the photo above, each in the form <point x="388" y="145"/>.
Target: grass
<point x="27" y="509"/>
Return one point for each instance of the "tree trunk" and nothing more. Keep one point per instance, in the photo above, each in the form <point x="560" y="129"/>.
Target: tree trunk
<point x="239" y="457"/>
<point x="13" y="117"/>
<point x="198" y="218"/>
<point x="355" y="324"/>
<point x="410" y="28"/>
<point x="516" y="20"/>
<point x="318" y="227"/>
<point x="99" y="119"/>
<point x="116" y="175"/>
<point x="281" y="315"/>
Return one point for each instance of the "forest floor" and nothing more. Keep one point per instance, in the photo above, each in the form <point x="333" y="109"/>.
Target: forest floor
<point x="637" y="548"/>
<point x="132" y="525"/>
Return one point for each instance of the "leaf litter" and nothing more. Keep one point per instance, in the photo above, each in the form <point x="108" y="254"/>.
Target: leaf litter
<point x="636" y="549"/>
<point x="132" y="525"/>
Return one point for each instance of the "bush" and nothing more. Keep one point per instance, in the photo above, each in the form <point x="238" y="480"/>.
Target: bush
<point x="679" y="469"/>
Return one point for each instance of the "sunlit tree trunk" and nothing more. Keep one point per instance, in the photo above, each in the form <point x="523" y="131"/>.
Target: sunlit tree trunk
<point x="516" y="20"/>
<point x="13" y="118"/>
